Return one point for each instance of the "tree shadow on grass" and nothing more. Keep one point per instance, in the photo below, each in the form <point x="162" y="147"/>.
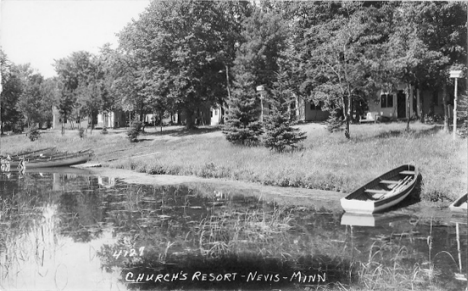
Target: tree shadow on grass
<point x="184" y="132"/>
<point x="412" y="133"/>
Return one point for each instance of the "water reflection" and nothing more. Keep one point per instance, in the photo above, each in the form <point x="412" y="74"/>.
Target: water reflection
<point x="460" y="222"/>
<point x="74" y="231"/>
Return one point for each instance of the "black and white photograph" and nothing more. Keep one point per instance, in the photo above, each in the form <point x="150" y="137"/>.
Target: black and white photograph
<point x="233" y="145"/>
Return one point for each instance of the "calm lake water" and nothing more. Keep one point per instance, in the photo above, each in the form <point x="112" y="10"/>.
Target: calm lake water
<point x="62" y="231"/>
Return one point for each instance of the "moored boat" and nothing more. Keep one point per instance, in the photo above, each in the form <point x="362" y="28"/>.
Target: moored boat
<point x="383" y="192"/>
<point x="43" y="161"/>
<point x="44" y="151"/>
<point x="31" y="154"/>
<point x="460" y="205"/>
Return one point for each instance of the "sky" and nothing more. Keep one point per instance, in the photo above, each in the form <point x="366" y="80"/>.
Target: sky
<point x="39" y="31"/>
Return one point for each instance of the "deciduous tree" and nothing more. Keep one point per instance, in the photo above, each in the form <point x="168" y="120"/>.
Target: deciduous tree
<point x="177" y="45"/>
<point x="338" y="69"/>
<point x="29" y="102"/>
<point x="11" y="91"/>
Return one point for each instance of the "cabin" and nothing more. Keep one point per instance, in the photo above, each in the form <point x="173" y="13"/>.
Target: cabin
<point x="215" y="113"/>
<point x="200" y="116"/>
<point x="393" y="105"/>
<point x="299" y="110"/>
<point x="67" y="123"/>
<point x="111" y="119"/>
<point x="311" y="112"/>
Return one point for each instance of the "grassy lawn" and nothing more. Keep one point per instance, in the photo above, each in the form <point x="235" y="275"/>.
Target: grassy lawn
<point x="327" y="161"/>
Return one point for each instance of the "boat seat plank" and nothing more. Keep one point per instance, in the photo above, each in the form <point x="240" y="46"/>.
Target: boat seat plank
<point x="407" y="172"/>
<point x="374" y="191"/>
<point x="389" y="182"/>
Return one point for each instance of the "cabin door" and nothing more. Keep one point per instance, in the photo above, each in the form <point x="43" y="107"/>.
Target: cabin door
<point x="401" y="104"/>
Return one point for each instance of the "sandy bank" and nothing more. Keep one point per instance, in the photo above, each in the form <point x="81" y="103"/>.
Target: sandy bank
<point x="319" y="200"/>
<point x="286" y="196"/>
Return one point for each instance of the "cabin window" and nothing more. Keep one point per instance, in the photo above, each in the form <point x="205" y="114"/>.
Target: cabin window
<point x="386" y="100"/>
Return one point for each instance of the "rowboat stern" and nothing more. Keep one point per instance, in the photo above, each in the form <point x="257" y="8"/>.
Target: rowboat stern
<point x="460" y="205"/>
<point x="357" y="206"/>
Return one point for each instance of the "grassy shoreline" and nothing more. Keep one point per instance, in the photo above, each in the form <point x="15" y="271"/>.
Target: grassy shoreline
<point x="327" y="161"/>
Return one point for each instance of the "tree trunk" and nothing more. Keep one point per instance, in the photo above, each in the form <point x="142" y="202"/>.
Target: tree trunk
<point x="418" y="101"/>
<point x="346" y="115"/>
<point x="1" y="118"/>
<point x="297" y="108"/>
<point x="408" y="111"/>
<point x="221" y="110"/>
<point x="141" y="115"/>
<point x="221" y="104"/>
<point x="444" y="100"/>
<point x="348" y="105"/>
<point x="160" y="120"/>
<point x="189" y="119"/>
<point x="420" y="104"/>
<point x="154" y="122"/>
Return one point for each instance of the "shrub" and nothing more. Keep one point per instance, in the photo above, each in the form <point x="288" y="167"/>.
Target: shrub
<point x="18" y="127"/>
<point x="34" y="133"/>
<point x="104" y="130"/>
<point x="279" y="134"/>
<point x="464" y="129"/>
<point x="334" y="121"/>
<point x="433" y="118"/>
<point x="81" y="132"/>
<point x="134" y="130"/>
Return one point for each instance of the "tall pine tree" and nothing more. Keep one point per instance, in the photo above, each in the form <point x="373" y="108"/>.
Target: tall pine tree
<point x="243" y="125"/>
<point x="279" y="133"/>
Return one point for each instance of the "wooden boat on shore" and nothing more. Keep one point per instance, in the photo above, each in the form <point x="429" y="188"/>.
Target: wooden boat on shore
<point x="44" y="161"/>
<point x="44" y="151"/>
<point x="460" y="205"/>
<point x="383" y="192"/>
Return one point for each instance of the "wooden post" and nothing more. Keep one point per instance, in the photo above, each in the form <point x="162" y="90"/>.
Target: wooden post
<point x="444" y="98"/>
<point x="298" y="116"/>
<point x="454" y="136"/>
<point x="261" y="105"/>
